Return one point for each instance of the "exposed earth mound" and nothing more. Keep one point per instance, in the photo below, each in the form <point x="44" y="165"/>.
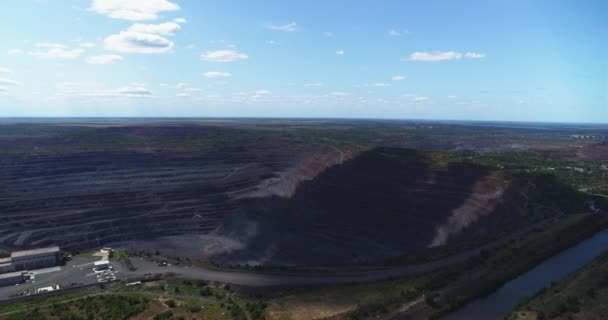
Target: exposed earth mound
<point x="165" y="181"/>
<point x="257" y="196"/>
<point x="383" y="203"/>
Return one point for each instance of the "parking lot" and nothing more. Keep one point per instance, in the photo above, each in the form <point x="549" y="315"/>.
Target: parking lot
<point x="105" y="275"/>
<point x="79" y="271"/>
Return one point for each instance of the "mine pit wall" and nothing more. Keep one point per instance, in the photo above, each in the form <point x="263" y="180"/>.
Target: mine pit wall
<point x="267" y="207"/>
<point x="378" y="205"/>
<point x="85" y="200"/>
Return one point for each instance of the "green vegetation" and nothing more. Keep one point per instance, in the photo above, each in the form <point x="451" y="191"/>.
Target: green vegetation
<point x="442" y="291"/>
<point x="356" y="300"/>
<point x="115" y="255"/>
<point x="199" y="134"/>
<point x="483" y="274"/>
<point x="100" y="307"/>
<point x="549" y="168"/>
<point x="556" y="181"/>
<point x="170" y="299"/>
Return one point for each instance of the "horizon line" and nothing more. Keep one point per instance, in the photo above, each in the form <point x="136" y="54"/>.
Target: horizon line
<point x="293" y="118"/>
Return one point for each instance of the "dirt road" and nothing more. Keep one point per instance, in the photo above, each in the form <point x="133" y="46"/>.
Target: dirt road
<point x="264" y="279"/>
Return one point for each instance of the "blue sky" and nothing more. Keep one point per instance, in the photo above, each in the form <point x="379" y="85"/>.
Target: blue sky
<point x="469" y="60"/>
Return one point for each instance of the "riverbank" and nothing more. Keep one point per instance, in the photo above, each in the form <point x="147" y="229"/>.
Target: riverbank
<point x="421" y="296"/>
<point x="440" y="292"/>
<point x="581" y="295"/>
<point x="486" y="275"/>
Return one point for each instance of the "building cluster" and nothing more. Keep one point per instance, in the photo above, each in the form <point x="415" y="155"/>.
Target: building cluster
<point x="587" y="137"/>
<point x="13" y="269"/>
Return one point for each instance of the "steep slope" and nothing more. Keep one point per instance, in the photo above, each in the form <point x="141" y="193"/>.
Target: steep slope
<point x="240" y="195"/>
<point x="141" y="183"/>
<point x="383" y="203"/>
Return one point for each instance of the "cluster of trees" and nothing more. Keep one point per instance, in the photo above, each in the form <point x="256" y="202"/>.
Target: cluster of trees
<point x="111" y="307"/>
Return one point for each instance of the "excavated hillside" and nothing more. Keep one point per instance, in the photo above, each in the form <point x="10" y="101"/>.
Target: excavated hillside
<point x="240" y="196"/>
<point x="383" y="203"/>
<point x="134" y="183"/>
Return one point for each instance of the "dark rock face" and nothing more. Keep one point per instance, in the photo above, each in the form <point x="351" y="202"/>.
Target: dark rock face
<point x="383" y="203"/>
<point x="86" y="200"/>
<point x="239" y="196"/>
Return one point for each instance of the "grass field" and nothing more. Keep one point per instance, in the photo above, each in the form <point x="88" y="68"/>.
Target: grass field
<point x="171" y="299"/>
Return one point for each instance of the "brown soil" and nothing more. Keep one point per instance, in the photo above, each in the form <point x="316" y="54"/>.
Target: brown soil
<point x="594" y="152"/>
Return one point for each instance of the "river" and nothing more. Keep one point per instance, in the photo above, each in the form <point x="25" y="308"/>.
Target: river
<point x="502" y="301"/>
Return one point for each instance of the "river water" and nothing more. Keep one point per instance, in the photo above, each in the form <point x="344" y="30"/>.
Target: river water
<point x="502" y="301"/>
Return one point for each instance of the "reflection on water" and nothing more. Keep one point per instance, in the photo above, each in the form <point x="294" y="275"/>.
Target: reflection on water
<point x="506" y="298"/>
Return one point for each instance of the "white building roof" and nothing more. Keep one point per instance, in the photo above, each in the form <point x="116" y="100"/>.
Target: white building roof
<point x="101" y="262"/>
<point x="11" y="275"/>
<point x="34" y="252"/>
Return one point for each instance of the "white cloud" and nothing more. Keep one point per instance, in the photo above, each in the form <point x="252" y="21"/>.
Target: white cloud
<point x="258" y="95"/>
<point x="180" y="20"/>
<point x="136" y="42"/>
<point x="474" y="55"/>
<point x="181" y="85"/>
<point x="313" y="84"/>
<point x="420" y="99"/>
<point x="182" y="94"/>
<point x="134" y="10"/>
<point x="192" y="89"/>
<point x="223" y="56"/>
<point x="441" y="56"/>
<point x="398" y="78"/>
<point x="433" y="56"/>
<point x="452" y="97"/>
<point x="48" y="45"/>
<point x="88" y="45"/>
<point x="104" y="59"/>
<point x="3" y="89"/>
<point x="380" y="85"/>
<point x="394" y="33"/>
<point x="290" y="27"/>
<point x="328" y="34"/>
<point x="8" y="82"/>
<point x="217" y="74"/>
<point x="5" y="70"/>
<point x="340" y="52"/>
<point x="166" y="29"/>
<point x="340" y="94"/>
<point x="134" y="91"/>
<point x="58" y="53"/>
<point x="13" y="51"/>
<point x="98" y="90"/>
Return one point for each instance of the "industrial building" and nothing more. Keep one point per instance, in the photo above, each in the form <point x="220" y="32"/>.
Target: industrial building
<point x="102" y="265"/>
<point x="11" y="278"/>
<point x="36" y="258"/>
<point x="6" y="265"/>
<point x="11" y="268"/>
